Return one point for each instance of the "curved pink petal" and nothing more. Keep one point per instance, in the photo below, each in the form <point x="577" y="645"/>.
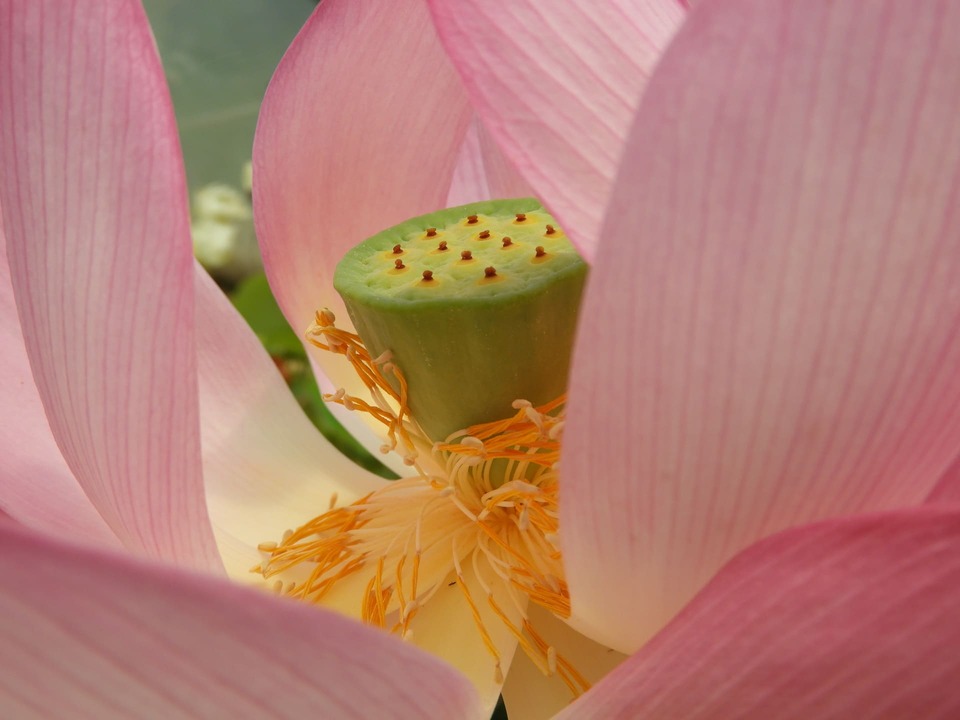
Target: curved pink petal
<point x="482" y="172"/>
<point x="947" y="489"/>
<point x="446" y="628"/>
<point x="266" y="468"/>
<point x="100" y="258"/>
<point x="38" y="488"/>
<point x="770" y="335"/>
<point x="557" y="84"/>
<point x="530" y="695"/>
<point x="502" y="177"/>
<point x="359" y="130"/>
<point x="469" y="183"/>
<point x="99" y="636"/>
<point x="849" y="619"/>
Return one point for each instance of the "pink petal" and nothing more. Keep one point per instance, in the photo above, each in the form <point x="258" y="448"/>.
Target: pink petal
<point x="469" y="183"/>
<point x="445" y="627"/>
<point x="482" y="172"/>
<point x="38" y="488"/>
<point x="502" y="177"/>
<point x="528" y="694"/>
<point x="359" y="130"/>
<point x="100" y="258"/>
<point x="100" y="636"/>
<point x="557" y="85"/>
<point x="771" y="324"/>
<point x="266" y="468"/>
<point x="849" y="619"/>
<point x="947" y="489"/>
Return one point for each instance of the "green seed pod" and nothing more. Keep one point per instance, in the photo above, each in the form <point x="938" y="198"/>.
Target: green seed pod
<point x="477" y="305"/>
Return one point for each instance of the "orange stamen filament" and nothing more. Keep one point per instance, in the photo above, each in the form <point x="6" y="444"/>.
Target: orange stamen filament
<point x="411" y="535"/>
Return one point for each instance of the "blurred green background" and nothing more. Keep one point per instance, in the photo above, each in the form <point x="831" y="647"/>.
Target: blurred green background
<point x="219" y="56"/>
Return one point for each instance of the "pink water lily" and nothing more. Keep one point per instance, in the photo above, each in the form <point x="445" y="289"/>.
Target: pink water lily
<point x="769" y="341"/>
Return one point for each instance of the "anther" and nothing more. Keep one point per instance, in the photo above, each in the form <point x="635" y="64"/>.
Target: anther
<point x="490" y="272"/>
<point x="540" y="251"/>
<point x="521" y="217"/>
<point x="471" y="219"/>
<point x="442" y="246"/>
<point x="397" y="250"/>
<point x="431" y="232"/>
<point x="466" y="255"/>
<point x="485" y="234"/>
<point x="472" y="442"/>
<point x="523" y="522"/>
<point x="326" y="318"/>
<point x="550" y="230"/>
<point x="428" y="275"/>
<point x="507" y="242"/>
<point x="398" y="264"/>
<point x="407" y="609"/>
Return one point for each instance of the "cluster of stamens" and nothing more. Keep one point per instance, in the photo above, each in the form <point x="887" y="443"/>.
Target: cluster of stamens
<point x="482" y="506"/>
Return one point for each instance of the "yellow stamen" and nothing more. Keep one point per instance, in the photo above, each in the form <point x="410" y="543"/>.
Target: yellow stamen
<point x="431" y="523"/>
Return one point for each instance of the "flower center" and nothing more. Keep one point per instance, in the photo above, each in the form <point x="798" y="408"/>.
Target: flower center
<point x="451" y="336"/>
<point x="492" y="320"/>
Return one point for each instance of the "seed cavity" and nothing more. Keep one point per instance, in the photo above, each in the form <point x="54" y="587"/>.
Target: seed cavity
<point x="460" y="245"/>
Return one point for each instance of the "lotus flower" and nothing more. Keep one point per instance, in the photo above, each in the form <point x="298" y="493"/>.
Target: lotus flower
<point x="757" y="501"/>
